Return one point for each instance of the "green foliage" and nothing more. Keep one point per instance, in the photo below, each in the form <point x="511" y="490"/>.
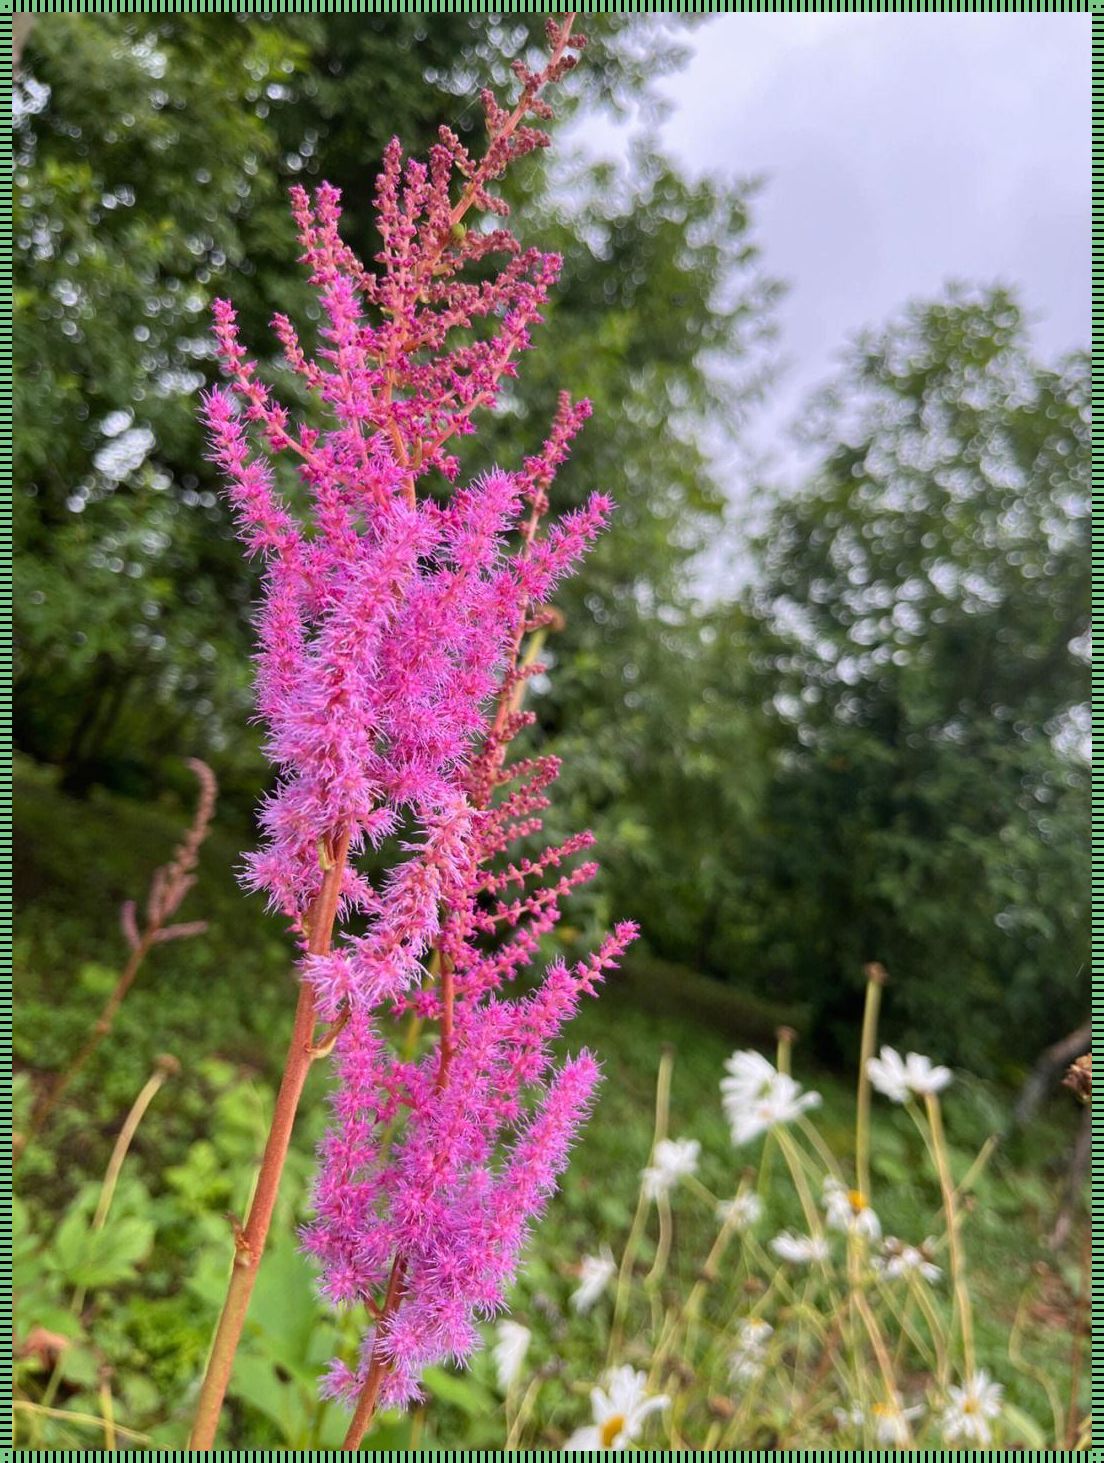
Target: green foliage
<point x="875" y="753"/>
<point x="153" y="156"/>
<point x="195" y="1154"/>
<point x="135" y="180"/>
<point x="924" y="611"/>
<point x="840" y="1334"/>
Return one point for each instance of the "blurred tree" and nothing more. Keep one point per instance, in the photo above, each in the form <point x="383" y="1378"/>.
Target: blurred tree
<point x="141" y="148"/>
<point x="153" y="154"/>
<point x="924" y="609"/>
<point x="876" y="753"/>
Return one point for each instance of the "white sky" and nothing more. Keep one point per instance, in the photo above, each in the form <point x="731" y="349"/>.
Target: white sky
<point x="901" y="151"/>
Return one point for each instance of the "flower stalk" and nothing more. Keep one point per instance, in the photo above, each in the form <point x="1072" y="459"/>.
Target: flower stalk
<point x="250" y="1239"/>
<point x="875" y="980"/>
<point x="169" y="885"/>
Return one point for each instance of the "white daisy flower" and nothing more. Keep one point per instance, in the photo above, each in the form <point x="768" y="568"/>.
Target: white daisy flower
<point x="509" y="1352"/>
<point x="595" y="1274"/>
<point x="744" y="1211"/>
<point x="899" y="1260"/>
<point x="898" y="1077"/>
<point x="755" y="1096"/>
<point x="749" y="1072"/>
<point x="847" y="1209"/>
<point x="748" y="1361"/>
<point x="619" y="1410"/>
<point x="799" y="1249"/>
<point x="891" y="1423"/>
<point x="970" y="1410"/>
<point x="673" y="1159"/>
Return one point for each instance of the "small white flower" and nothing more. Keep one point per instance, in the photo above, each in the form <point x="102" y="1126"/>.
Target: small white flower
<point x="970" y="1409"/>
<point x="799" y="1249"/>
<point x="619" y="1411"/>
<point x="595" y="1273"/>
<point x="899" y="1260"/>
<point x="891" y="1423"/>
<point x="509" y="1352"/>
<point x="850" y="1418"/>
<point x="898" y="1077"/>
<point x="748" y="1361"/>
<point x="756" y="1097"/>
<point x="749" y="1073"/>
<point x="889" y="1420"/>
<point x="744" y="1211"/>
<point x="847" y="1209"/>
<point x="673" y="1159"/>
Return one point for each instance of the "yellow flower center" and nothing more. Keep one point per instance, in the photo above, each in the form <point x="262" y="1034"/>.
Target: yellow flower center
<point x="610" y="1430"/>
<point x="857" y="1200"/>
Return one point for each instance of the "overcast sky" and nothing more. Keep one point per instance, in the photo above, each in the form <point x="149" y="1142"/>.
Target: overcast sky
<point x="902" y="151"/>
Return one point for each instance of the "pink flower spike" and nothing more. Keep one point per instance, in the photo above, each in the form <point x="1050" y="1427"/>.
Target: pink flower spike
<point x="402" y="837"/>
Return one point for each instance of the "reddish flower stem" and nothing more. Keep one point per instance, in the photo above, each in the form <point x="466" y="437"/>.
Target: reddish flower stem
<point x="448" y="1001"/>
<point x="369" y="1395"/>
<point x="49" y="1101"/>
<point x="249" y="1242"/>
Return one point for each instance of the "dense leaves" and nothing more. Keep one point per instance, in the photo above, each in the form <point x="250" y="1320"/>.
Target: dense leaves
<point x="877" y="752"/>
<point x="924" y="620"/>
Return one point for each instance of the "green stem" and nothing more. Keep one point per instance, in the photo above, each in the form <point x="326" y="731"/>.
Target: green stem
<point x="875" y="979"/>
<point x="962" y="1310"/>
<point x="643" y="1204"/>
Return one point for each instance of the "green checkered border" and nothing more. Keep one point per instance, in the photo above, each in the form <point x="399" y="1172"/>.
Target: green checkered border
<point x="7" y="8"/>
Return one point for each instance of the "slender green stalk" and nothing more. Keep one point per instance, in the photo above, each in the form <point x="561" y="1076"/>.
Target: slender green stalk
<point x="708" y="1275"/>
<point x="524" y="1412"/>
<point x="107" y="1408"/>
<point x="643" y="1204"/>
<point x="875" y="980"/>
<point x="80" y="1419"/>
<point x="663" y="1244"/>
<point x="962" y="1309"/>
<point x="164" y="1068"/>
<point x="792" y="1156"/>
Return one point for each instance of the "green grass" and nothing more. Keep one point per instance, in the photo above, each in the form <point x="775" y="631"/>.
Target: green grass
<point x="221" y="1005"/>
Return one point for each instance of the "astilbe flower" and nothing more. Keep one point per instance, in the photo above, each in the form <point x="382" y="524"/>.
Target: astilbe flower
<point x="390" y="681"/>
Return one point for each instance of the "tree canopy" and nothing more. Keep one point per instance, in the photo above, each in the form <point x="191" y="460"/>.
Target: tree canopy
<point x="875" y="752"/>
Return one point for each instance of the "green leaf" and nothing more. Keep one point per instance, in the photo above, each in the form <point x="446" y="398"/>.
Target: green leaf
<point x="283" y="1314"/>
<point x="256" y="1381"/>
<point x="461" y="1391"/>
<point x="1025" y="1428"/>
<point x="93" y="1258"/>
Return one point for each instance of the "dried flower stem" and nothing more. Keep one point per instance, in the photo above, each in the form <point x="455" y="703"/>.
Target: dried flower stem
<point x="107" y="1407"/>
<point x="1082" y="1324"/>
<point x="167" y="890"/>
<point x="166" y="1067"/>
<point x="44" y="1108"/>
<point x="250" y="1241"/>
